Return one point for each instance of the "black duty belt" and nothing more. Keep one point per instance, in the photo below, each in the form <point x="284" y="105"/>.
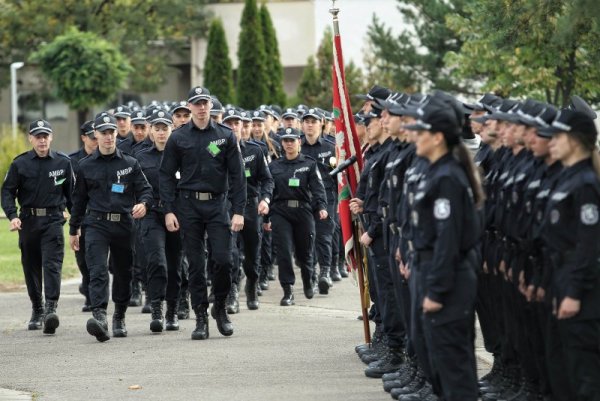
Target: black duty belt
<point x="114" y="217"/>
<point x="201" y="196"/>
<point x="40" y="211"/>
<point x="293" y="203"/>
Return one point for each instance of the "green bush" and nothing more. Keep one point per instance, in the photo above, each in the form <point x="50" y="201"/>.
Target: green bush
<point x="10" y="148"/>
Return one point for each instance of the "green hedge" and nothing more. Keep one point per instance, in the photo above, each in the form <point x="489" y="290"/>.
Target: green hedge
<point x="9" y="148"/>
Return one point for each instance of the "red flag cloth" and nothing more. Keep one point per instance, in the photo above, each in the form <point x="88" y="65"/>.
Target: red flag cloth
<point x="347" y="145"/>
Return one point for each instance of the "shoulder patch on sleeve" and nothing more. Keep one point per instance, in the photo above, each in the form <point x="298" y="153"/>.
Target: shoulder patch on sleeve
<point x="441" y="208"/>
<point x="589" y="214"/>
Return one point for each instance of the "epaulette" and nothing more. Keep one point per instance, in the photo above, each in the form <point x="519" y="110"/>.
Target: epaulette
<point x="63" y="154"/>
<point x="309" y="157"/>
<point x="225" y="126"/>
<point x="251" y="142"/>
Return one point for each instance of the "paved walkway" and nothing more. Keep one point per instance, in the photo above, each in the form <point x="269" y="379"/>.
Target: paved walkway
<point x="304" y="352"/>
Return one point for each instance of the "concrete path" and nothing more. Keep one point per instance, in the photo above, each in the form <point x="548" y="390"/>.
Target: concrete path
<point x="304" y="352"/>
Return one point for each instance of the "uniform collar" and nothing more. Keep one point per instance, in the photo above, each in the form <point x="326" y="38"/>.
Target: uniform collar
<point x="319" y="141"/>
<point x="33" y="154"/>
<point x="211" y="125"/>
<point x="118" y="154"/>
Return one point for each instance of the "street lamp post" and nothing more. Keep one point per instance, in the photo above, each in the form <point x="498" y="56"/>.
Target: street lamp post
<point x="13" y="94"/>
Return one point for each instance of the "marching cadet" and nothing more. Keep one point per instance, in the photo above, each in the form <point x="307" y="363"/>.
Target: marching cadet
<point x="90" y="144"/>
<point x="111" y="190"/>
<point x="216" y="112"/>
<point x="41" y="181"/>
<point x="571" y="231"/>
<point x="139" y="138"/>
<point x="162" y="248"/>
<point x="297" y="195"/>
<point x="210" y="163"/>
<point x="314" y="145"/>
<point x="181" y="114"/>
<point x="259" y="193"/>
<point x="123" y="116"/>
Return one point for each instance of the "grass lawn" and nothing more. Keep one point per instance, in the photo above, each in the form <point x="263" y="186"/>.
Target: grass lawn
<point x="11" y="271"/>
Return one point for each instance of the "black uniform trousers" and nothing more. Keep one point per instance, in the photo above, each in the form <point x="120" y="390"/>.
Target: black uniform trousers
<point x="42" y="244"/>
<point x="401" y="289"/>
<point x="140" y="260"/>
<point x="163" y="250"/>
<point x="266" y="252"/>
<point x="445" y="346"/>
<point x="391" y="315"/>
<point x="199" y="220"/>
<point x="293" y="233"/>
<point x="82" y="265"/>
<point x="117" y="239"/>
<point x="249" y="243"/>
<point x="324" y="237"/>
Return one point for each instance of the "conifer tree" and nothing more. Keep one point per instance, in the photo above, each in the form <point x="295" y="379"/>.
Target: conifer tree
<point x="275" y="93"/>
<point x="251" y="86"/>
<point x="218" y="76"/>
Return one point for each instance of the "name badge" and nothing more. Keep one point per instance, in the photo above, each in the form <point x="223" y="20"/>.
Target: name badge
<point x="247" y="172"/>
<point x="118" y="188"/>
<point x="294" y="182"/>
<point x="213" y="149"/>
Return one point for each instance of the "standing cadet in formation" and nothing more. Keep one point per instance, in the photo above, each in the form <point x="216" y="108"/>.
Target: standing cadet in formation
<point x="298" y="194"/>
<point x="210" y="163"/>
<point x="41" y="181"/>
<point x="110" y="192"/>
<point x="90" y="144"/>
<point x="162" y="248"/>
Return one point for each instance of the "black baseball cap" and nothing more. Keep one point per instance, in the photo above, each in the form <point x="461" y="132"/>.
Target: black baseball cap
<point x="198" y="93"/>
<point x="105" y="122"/>
<point x="39" y="127"/>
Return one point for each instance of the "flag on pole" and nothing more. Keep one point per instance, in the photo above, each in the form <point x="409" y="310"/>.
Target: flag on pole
<point x="347" y="145"/>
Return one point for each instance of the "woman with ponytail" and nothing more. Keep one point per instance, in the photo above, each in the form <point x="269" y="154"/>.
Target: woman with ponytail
<point x="446" y="229"/>
<point x="571" y="231"/>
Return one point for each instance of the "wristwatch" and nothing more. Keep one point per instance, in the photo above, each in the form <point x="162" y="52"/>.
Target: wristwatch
<point x="267" y="200"/>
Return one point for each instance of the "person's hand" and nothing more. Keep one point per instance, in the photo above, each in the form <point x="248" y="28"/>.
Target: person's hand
<point x="398" y="255"/>
<point x="237" y="223"/>
<point x="74" y="242"/>
<point x="485" y="268"/>
<point x="263" y="208"/>
<point x="323" y="214"/>
<point x="138" y="211"/>
<point x="569" y="307"/>
<point x="540" y="294"/>
<point x="530" y="293"/>
<point x="267" y="226"/>
<point x="431" y="306"/>
<point x="15" y="224"/>
<point x="365" y="239"/>
<point x="356" y="205"/>
<point x="171" y="222"/>
<point x="405" y="270"/>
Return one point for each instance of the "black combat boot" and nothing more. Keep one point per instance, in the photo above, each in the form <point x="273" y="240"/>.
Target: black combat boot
<point x="98" y="326"/>
<point x="334" y="273"/>
<point x="270" y="273"/>
<point x="172" y="323"/>
<point x="201" y="330"/>
<point x="342" y="269"/>
<point x="147" y="308"/>
<point x="288" y="295"/>
<point x="309" y="289"/>
<point x="263" y="279"/>
<point x="183" y="310"/>
<point x="37" y="317"/>
<point x="232" y="302"/>
<point x="324" y="281"/>
<point x="219" y="313"/>
<point x="391" y="362"/>
<point x="51" y="318"/>
<point x="251" y="295"/>
<point x="136" y="294"/>
<point x="156" y="325"/>
<point x="118" y="324"/>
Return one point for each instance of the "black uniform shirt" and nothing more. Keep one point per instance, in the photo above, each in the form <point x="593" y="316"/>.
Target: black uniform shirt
<point x="375" y="177"/>
<point x="322" y="151"/>
<point x="37" y="182"/>
<point x="208" y="159"/>
<point x="300" y="180"/>
<point x="444" y="220"/>
<point x="76" y="157"/>
<point x="108" y="184"/>
<point x="149" y="160"/>
<point x="258" y="177"/>
<point x="571" y="230"/>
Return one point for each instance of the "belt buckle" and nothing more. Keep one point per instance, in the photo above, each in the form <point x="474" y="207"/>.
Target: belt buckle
<point x="203" y="196"/>
<point x="40" y="212"/>
<point x="114" y="217"/>
<point x="293" y="203"/>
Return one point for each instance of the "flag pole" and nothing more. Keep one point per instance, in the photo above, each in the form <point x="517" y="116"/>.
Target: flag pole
<point x="358" y="252"/>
